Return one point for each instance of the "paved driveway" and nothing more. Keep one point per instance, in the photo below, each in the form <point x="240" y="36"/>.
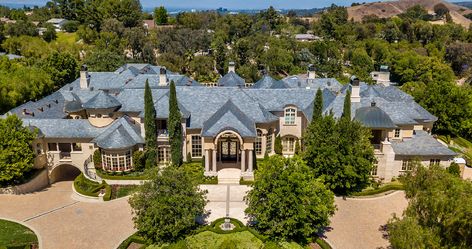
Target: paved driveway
<point x="356" y="223"/>
<point x="63" y="222"/>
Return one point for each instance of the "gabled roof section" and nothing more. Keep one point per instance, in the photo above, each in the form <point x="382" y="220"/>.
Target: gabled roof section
<point x="229" y="117"/>
<point x="102" y="100"/>
<point x="231" y="79"/>
<point x="422" y="144"/>
<point x="268" y="82"/>
<point x="64" y="128"/>
<point x="121" y="134"/>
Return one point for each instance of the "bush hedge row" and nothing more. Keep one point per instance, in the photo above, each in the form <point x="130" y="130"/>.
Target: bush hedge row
<point x="87" y="187"/>
<point x="380" y="190"/>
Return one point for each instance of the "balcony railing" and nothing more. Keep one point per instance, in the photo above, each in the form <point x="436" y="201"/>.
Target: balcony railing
<point x="162" y="133"/>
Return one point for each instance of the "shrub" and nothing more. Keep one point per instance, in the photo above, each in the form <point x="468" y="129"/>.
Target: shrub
<point x="228" y="243"/>
<point x="97" y="159"/>
<point x="454" y="169"/>
<point x="189" y="157"/>
<point x="138" y="160"/>
<point x="382" y="189"/>
<point x="71" y="26"/>
<point x="87" y="187"/>
<point x="107" y="195"/>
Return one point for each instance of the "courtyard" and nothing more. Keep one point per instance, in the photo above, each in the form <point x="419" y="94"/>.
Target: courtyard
<point x="63" y="221"/>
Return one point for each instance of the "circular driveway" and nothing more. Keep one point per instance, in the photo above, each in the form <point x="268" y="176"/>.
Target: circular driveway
<point x="63" y="222"/>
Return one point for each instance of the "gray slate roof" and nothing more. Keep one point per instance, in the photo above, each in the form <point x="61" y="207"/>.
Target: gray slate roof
<point x="229" y="117"/>
<point x="374" y="117"/>
<point x="422" y="144"/>
<point x="122" y="133"/>
<point x="231" y="79"/>
<point x="302" y="81"/>
<point x="64" y="128"/>
<point x="268" y="82"/>
<point x="102" y="100"/>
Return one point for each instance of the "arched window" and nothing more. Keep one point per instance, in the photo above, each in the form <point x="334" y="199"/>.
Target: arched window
<point x="258" y="143"/>
<point x="288" y="144"/>
<point x="290" y="114"/>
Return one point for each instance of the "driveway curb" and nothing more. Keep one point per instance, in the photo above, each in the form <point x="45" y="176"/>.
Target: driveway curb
<point x="40" y="240"/>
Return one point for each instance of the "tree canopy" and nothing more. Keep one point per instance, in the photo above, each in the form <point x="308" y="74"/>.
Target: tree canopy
<point x="16" y="151"/>
<point x="287" y="202"/>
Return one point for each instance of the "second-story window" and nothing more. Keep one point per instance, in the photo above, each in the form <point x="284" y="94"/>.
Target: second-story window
<point x="290" y="114"/>
<point x="397" y="133"/>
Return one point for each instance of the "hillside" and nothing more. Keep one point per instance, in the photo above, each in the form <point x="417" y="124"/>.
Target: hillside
<point x="393" y="8"/>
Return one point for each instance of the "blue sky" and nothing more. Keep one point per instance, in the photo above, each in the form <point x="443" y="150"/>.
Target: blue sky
<point x="213" y="4"/>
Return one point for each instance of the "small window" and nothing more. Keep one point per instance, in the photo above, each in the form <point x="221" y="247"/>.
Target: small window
<point x="258" y="143"/>
<point x="288" y="144"/>
<point x="290" y="114"/>
<point x="407" y="165"/>
<point x="374" y="169"/>
<point x="196" y="146"/>
<point x="76" y="147"/>
<point x="433" y="162"/>
<point x="99" y="115"/>
<point x="397" y="133"/>
<point x="52" y="146"/>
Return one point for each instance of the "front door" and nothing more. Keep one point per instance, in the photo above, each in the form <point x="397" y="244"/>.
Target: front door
<point x="229" y="151"/>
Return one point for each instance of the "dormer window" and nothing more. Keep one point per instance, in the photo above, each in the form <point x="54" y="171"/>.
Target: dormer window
<point x="290" y="114"/>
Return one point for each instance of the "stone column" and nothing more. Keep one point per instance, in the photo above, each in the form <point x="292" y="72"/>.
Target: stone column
<point x="214" y="160"/>
<point x="243" y="160"/>
<point x="250" y="160"/>
<point x="207" y="161"/>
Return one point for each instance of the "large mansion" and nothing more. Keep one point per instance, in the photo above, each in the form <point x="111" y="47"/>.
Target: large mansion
<point x="227" y="124"/>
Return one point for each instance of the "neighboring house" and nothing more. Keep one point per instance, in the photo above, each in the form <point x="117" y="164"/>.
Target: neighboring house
<point x="149" y="24"/>
<point x="382" y="76"/>
<point x="226" y="125"/>
<point x="7" y="20"/>
<point x="57" y="23"/>
<point x="307" y="37"/>
<point x="11" y="56"/>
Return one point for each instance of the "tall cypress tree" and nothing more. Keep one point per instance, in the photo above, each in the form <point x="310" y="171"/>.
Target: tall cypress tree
<point x="150" y="127"/>
<point x="278" y="148"/>
<point x="175" y="127"/>
<point x="318" y="105"/>
<point x="347" y="106"/>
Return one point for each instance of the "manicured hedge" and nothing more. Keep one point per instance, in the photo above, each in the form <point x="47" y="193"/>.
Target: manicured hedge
<point x="87" y="187"/>
<point x="322" y="243"/>
<point x="121" y="176"/>
<point x="382" y="189"/>
<point x="244" y="182"/>
<point x="133" y="238"/>
<point x="107" y="195"/>
<point x="239" y="227"/>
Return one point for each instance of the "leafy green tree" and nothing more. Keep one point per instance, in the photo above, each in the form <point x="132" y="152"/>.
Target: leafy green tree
<point x="318" y="105"/>
<point x="50" y="33"/>
<point x="126" y="11"/>
<point x="339" y="151"/>
<point x="278" y="145"/>
<point x="282" y="186"/>
<point x="71" y="26"/>
<point x="160" y="15"/>
<point x="16" y="151"/>
<point x="104" y="60"/>
<point x="150" y="127"/>
<point x="297" y="148"/>
<point x="166" y="208"/>
<point x="62" y="67"/>
<point x="175" y="127"/>
<point x="437" y="212"/>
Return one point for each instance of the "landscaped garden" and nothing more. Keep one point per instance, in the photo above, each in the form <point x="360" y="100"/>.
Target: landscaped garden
<point x="213" y="237"/>
<point x="16" y="236"/>
<point x="90" y="188"/>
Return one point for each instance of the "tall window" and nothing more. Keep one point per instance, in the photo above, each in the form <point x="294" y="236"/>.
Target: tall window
<point x="269" y="142"/>
<point x="258" y="143"/>
<point x="288" y="144"/>
<point x="290" y="114"/>
<point x="397" y="132"/>
<point x="196" y="146"/>
<point x="163" y="154"/>
<point x="52" y="146"/>
<point x="407" y="165"/>
<point x="117" y="161"/>
<point x="434" y="162"/>
<point x="374" y="169"/>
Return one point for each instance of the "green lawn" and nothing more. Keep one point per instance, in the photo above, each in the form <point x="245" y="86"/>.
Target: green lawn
<point x="211" y="240"/>
<point x="68" y="38"/>
<point x="14" y="235"/>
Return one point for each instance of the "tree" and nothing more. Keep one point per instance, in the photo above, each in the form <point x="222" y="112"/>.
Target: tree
<point x="318" y="105"/>
<point x="347" y="106"/>
<point x="160" y="15"/>
<point x="166" y="208"/>
<point x="437" y="212"/>
<point x="71" y="26"/>
<point x="175" y="127"/>
<point x="287" y="202"/>
<point x="50" y="33"/>
<point x="16" y="151"/>
<point x="440" y="9"/>
<point x="126" y="11"/>
<point x="339" y="151"/>
<point x="278" y="145"/>
<point x="62" y="67"/>
<point x="297" y="147"/>
<point x="150" y="127"/>
<point x="104" y="60"/>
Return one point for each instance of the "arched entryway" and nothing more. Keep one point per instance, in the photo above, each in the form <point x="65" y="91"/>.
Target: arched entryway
<point x="228" y="150"/>
<point x="64" y="172"/>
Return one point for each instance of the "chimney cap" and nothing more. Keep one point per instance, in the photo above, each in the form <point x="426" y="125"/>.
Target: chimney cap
<point x="162" y="70"/>
<point x="231" y="63"/>
<point x="354" y="81"/>
<point x="84" y="67"/>
<point x="311" y="67"/>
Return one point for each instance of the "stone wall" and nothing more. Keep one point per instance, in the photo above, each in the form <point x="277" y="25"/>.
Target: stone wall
<point x="39" y="182"/>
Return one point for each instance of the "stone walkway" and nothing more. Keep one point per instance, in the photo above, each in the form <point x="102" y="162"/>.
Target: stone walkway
<point x="221" y="196"/>
<point x="356" y="223"/>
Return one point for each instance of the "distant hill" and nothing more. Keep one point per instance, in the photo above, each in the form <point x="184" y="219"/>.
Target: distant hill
<point x="393" y="8"/>
<point x="465" y="4"/>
